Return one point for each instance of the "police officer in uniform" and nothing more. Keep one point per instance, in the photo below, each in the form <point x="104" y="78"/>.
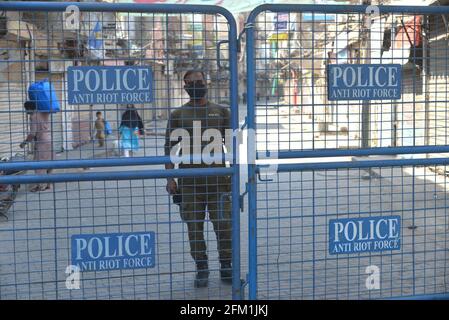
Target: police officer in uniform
<point x="199" y="193"/>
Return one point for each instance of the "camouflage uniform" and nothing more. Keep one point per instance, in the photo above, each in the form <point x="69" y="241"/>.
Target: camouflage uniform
<point x="201" y="192"/>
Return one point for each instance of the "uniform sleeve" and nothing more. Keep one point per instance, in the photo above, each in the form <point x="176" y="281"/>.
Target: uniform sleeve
<point x="171" y="125"/>
<point x="226" y="119"/>
<point x="226" y="129"/>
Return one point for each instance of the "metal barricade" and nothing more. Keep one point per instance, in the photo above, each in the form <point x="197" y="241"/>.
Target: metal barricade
<point x="107" y="228"/>
<point x="346" y="117"/>
<point x="356" y="205"/>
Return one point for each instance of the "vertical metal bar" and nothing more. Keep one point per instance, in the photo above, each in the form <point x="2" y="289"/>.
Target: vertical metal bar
<point x="252" y="187"/>
<point x="312" y="79"/>
<point x="52" y="134"/>
<point x="426" y="78"/>
<point x="169" y="108"/>
<point x="313" y="147"/>
<point x="236" y="285"/>
<point x="366" y="116"/>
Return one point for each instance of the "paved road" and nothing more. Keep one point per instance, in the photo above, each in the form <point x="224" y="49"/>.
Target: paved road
<point x="294" y="210"/>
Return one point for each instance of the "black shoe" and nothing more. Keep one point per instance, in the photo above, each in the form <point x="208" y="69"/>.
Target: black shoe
<point x="226" y="272"/>
<point x="202" y="276"/>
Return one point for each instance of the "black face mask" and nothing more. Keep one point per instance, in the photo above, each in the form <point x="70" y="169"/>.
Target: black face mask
<point x="196" y="90"/>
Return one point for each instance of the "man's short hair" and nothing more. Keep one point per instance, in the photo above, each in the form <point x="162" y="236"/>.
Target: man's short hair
<point x="98" y="113"/>
<point x="188" y="73"/>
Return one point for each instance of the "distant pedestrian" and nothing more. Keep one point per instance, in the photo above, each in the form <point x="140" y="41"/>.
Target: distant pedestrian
<point x="40" y="134"/>
<point x="100" y="127"/>
<point x="130" y="128"/>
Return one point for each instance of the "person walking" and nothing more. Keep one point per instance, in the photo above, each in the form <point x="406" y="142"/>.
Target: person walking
<point x="100" y="127"/>
<point x="131" y="126"/>
<point x="40" y="134"/>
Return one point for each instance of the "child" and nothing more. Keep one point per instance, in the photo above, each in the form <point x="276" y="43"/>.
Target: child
<point x="99" y="126"/>
<point x="130" y="128"/>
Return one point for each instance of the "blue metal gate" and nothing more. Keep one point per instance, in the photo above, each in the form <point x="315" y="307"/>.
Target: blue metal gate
<point x="101" y="205"/>
<point x="347" y="194"/>
<point x="339" y="159"/>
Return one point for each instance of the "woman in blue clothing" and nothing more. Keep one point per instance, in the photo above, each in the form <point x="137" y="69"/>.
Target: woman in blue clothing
<point x="130" y="128"/>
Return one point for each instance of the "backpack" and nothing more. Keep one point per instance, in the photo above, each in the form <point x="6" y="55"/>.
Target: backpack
<point x="44" y="95"/>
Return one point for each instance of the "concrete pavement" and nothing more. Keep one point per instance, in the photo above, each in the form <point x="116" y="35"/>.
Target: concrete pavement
<point x="293" y="214"/>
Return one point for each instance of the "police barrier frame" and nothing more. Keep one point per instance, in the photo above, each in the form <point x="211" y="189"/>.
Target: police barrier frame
<point x="149" y="160"/>
<point x="254" y="170"/>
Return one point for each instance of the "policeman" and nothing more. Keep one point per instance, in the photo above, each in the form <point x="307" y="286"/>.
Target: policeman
<point x="197" y="193"/>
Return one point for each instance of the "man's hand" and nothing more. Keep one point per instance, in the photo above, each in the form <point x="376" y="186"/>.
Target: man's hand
<point x="171" y="186"/>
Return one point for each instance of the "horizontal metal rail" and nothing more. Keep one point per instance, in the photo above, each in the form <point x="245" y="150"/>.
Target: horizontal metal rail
<point x="357" y="164"/>
<point x="121" y="175"/>
<point x="344" y="9"/>
<point x="103" y="162"/>
<point x="115" y="7"/>
<point x="353" y="152"/>
<point x="437" y="296"/>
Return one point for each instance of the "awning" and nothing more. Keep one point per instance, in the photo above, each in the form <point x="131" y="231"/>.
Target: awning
<point x="409" y="34"/>
<point x="278" y="36"/>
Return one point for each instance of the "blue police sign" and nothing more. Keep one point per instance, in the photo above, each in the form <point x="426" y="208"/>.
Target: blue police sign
<point x="359" y="235"/>
<point x="364" y="81"/>
<point x="110" y="85"/>
<point x="114" y="251"/>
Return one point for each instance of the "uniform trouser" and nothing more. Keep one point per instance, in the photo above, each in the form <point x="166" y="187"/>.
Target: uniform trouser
<point x="195" y="200"/>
